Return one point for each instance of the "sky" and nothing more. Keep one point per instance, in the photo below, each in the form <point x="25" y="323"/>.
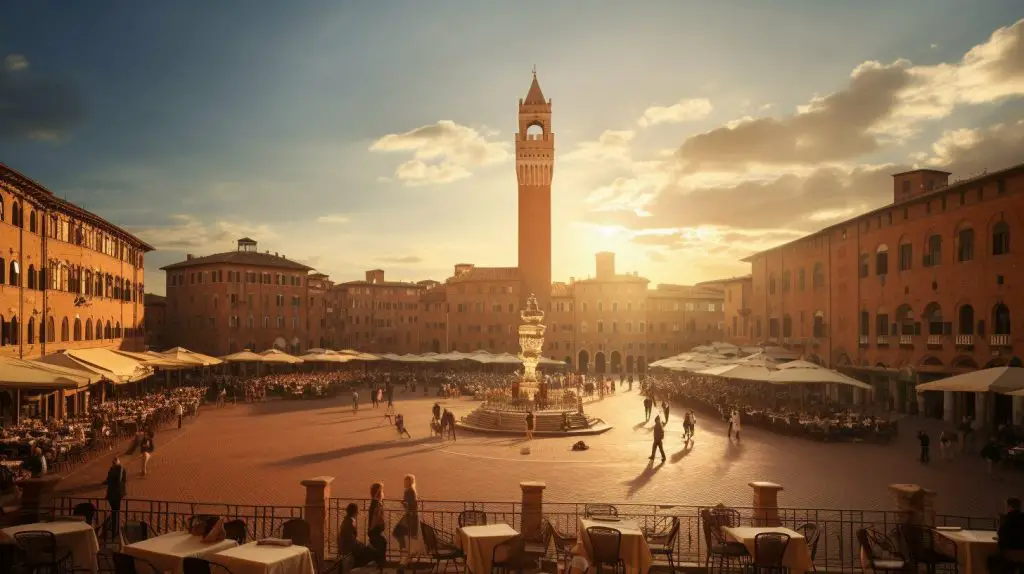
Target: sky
<point x="355" y="135"/>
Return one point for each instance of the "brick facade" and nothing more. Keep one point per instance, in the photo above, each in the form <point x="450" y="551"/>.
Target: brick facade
<point x="68" y="278"/>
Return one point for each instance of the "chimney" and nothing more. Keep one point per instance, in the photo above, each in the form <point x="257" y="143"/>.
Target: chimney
<point x="375" y="276"/>
<point x="463" y="268"/>
<point x="189" y="257"/>
<point x="605" y="265"/>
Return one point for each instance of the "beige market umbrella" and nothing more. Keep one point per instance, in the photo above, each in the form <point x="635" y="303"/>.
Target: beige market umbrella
<point x="31" y="375"/>
<point x="245" y="356"/>
<point x="807" y="372"/>
<point x="279" y="357"/>
<point x="1007" y="380"/>
<point x="183" y="354"/>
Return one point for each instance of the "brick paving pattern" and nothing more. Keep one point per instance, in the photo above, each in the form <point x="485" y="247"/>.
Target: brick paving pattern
<point x="258" y="454"/>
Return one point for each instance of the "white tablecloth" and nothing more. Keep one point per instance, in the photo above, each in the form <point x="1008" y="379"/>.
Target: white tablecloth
<point x="252" y="558"/>
<point x="973" y="548"/>
<point x="478" y="543"/>
<point x="797" y="557"/>
<point x="76" y="536"/>
<point x="633" y="548"/>
<point x="168" y="552"/>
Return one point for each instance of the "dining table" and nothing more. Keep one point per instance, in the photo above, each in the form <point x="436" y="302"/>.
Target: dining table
<point x="167" y="552"/>
<point x="797" y="557"/>
<point x="75" y="536"/>
<point x="973" y="547"/>
<point x="268" y="557"/>
<point x="633" y="548"/>
<point x="478" y="543"/>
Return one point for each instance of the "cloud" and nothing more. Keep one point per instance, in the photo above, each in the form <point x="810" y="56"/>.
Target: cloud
<point x="611" y="145"/>
<point x="441" y="152"/>
<point x="401" y="259"/>
<point x="968" y="152"/>
<point x="685" y="110"/>
<point x="333" y="219"/>
<point x="36" y="107"/>
<point x="15" y="62"/>
<point x="880" y="104"/>
<point x="190" y="233"/>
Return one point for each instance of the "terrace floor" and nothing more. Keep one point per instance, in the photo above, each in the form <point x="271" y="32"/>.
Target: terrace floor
<point x="258" y="454"/>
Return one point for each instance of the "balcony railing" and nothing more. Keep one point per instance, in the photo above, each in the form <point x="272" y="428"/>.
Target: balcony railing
<point x="1000" y="341"/>
<point x="863" y="341"/>
<point x="935" y="340"/>
<point x="906" y="340"/>
<point x="882" y="341"/>
<point x="965" y="340"/>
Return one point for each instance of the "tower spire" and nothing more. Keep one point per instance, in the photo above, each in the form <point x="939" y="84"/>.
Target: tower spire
<point x="534" y="96"/>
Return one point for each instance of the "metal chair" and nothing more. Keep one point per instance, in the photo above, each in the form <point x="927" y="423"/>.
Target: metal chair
<point x="725" y="551"/>
<point x="297" y="530"/>
<point x="86" y="510"/>
<point x="509" y="555"/>
<point x="472" y="518"/>
<point x="134" y="531"/>
<point x="606" y="548"/>
<point x="879" y="552"/>
<point x="769" y="551"/>
<point x="812" y="534"/>
<point x="563" y="543"/>
<point x="440" y="551"/>
<point x="599" y="510"/>
<point x="924" y="547"/>
<point x="236" y="530"/>
<point x="41" y="553"/>
<point x="664" y="544"/>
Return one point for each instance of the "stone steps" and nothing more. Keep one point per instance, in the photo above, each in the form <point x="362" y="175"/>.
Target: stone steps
<point x="546" y="423"/>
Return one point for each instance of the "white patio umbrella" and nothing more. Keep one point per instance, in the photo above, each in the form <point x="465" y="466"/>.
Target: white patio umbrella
<point x="748" y="372"/>
<point x="278" y="356"/>
<point x="807" y="372"/>
<point x="1006" y="380"/>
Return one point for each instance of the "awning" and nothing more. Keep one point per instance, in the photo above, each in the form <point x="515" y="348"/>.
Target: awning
<point x="795" y="372"/>
<point x="750" y="372"/>
<point x="156" y="360"/>
<point x="278" y="356"/>
<point x="996" y="379"/>
<point x="31" y="375"/>
<point x="245" y="356"/>
<point x="183" y="354"/>
<point x="107" y="364"/>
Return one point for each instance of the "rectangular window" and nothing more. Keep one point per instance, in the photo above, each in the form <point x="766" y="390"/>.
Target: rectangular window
<point x="906" y="256"/>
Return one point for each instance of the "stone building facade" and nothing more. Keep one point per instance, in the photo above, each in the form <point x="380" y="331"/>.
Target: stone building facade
<point x="918" y="289"/>
<point x="68" y="278"/>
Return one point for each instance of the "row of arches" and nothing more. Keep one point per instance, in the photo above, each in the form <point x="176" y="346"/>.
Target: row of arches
<point x="11" y="330"/>
<point x="613" y="363"/>
<point x="71" y="279"/>
<point x="905" y="322"/>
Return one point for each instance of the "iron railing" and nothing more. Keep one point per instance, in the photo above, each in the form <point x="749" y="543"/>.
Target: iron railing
<point x="837" y="546"/>
<point x="162" y="516"/>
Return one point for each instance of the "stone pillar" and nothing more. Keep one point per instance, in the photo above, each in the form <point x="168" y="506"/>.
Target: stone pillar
<point x="37" y="498"/>
<point x="947" y="406"/>
<point x="61" y="404"/>
<point x="766" y="503"/>
<point x="916" y="505"/>
<point x="533" y="509"/>
<point x="981" y="409"/>
<point x="1018" y="410"/>
<point x="318" y="490"/>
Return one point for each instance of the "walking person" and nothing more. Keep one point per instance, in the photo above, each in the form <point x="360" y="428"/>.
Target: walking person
<point x="178" y="410"/>
<point x="922" y="438"/>
<point x="734" y="424"/>
<point x="407" y="530"/>
<point x="529" y="425"/>
<point x="146" y="447"/>
<point x="116" y="483"/>
<point x="659" y="436"/>
<point x="648" y="403"/>
<point x="990" y="452"/>
<point x="689" y="423"/>
<point x="664" y="407"/>
<point x="946" y="445"/>
<point x="375" y="524"/>
<point x="355" y="401"/>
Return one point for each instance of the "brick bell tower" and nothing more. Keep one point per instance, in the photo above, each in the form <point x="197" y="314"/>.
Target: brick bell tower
<point x="535" y="163"/>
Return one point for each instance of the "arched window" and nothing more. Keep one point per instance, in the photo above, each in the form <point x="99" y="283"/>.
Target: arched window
<point x="51" y="331"/>
<point x="31" y="276"/>
<point x="32" y="221"/>
<point x="3" y="270"/>
<point x="933" y="316"/>
<point x="933" y="256"/>
<point x="785" y="281"/>
<point x="13" y="331"/>
<point x="965" y="320"/>
<point x="77" y="333"/>
<point x="15" y="214"/>
<point x="771" y="284"/>
<point x="98" y="289"/>
<point x="818" y="276"/>
<point x="1001" y="320"/>
<point x="13" y="274"/>
<point x="1" y="208"/>
<point x="1001" y="238"/>
<point x="865" y="323"/>
<point x="30" y="332"/>
<point x="882" y="260"/>
<point x="64" y="330"/>
<point x="965" y="245"/>
<point x="117" y="330"/>
<point x="108" y="333"/>
<point x="88" y="329"/>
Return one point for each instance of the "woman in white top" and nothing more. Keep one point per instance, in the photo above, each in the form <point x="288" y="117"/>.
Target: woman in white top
<point x="735" y="424"/>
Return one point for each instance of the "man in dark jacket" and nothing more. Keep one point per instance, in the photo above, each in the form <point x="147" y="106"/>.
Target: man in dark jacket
<point x="659" y="436"/>
<point x="116" y="483"/>
<point x="1011" y="540"/>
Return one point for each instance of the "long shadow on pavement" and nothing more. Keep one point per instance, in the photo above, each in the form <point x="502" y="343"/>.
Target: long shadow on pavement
<point x="347" y="451"/>
<point x="643" y="478"/>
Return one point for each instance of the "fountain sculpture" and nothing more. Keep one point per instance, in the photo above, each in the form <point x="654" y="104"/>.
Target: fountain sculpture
<point x="531" y="340"/>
